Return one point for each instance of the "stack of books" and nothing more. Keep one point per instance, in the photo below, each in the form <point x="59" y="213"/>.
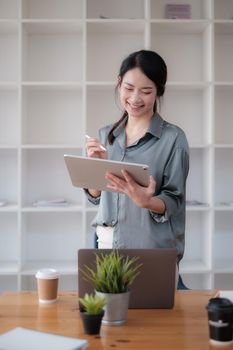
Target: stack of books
<point x="178" y="11"/>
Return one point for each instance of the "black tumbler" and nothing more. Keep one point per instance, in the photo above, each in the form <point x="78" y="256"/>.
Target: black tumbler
<point x="220" y="316"/>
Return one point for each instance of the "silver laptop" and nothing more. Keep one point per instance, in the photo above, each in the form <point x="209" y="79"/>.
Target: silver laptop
<point x="153" y="288"/>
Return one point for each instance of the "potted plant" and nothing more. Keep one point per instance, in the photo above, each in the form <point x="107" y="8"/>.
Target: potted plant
<point x="111" y="277"/>
<point x="92" y="312"/>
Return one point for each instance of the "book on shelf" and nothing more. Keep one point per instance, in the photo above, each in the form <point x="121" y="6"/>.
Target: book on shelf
<point x="177" y="11"/>
<point x="51" y="203"/>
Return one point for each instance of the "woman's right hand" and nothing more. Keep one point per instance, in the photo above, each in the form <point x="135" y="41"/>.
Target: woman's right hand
<point x="95" y="149"/>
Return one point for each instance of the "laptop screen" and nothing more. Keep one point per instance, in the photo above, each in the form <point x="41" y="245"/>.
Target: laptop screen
<point x="153" y="288"/>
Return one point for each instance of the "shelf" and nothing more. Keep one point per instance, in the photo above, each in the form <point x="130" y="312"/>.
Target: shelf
<point x="48" y="85"/>
<point x="194" y="267"/>
<point x="8" y="268"/>
<point x="184" y="85"/>
<point x="197" y="247"/>
<point x="8" y="26"/>
<point x="223" y="146"/>
<point x="8" y="175"/>
<point x="56" y="110"/>
<point x="67" y="281"/>
<point x="90" y="237"/>
<point x="9" y="243"/>
<point x="63" y="266"/>
<point x="197" y="187"/>
<point x="8" y="86"/>
<point x="173" y="37"/>
<point x="223" y="43"/>
<point x="200" y="146"/>
<point x="59" y="63"/>
<point x="223" y="9"/>
<point x="71" y="207"/>
<point x="9" y="9"/>
<point x="8" y="207"/>
<point x="66" y="147"/>
<point x="126" y="37"/>
<point x="8" y="283"/>
<point x="223" y="279"/>
<point x="223" y="120"/>
<point x="226" y="207"/>
<point x="47" y="167"/>
<point x="51" y="52"/>
<point x="101" y="84"/>
<point x="223" y="237"/>
<point x="110" y="9"/>
<point x="47" y="232"/>
<point x="115" y="25"/>
<point x="115" y="28"/>
<point x="91" y="207"/>
<point x="48" y="26"/>
<point x="104" y="105"/>
<point x="223" y="85"/>
<point x="184" y="27"/>
<point x="223" y="175"/>
<point x="199" y="9"/>
<point x="52" y="9"/>
<point x="189" y="118"/>
<point x="224" y="27"/>
<point x="9" y="117"/>
<point x="197" y="280"/>
<point x="224" y="266"/>
<point x="198" y="207"/>
<point x="9" y="54"/>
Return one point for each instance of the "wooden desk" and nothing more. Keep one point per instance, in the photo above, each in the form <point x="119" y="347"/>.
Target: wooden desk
<point x="184" y="327"/>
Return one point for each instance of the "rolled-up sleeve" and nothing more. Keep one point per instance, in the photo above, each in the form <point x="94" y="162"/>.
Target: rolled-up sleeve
<point x="93" y="200"/>
<point x="172" y="191"/>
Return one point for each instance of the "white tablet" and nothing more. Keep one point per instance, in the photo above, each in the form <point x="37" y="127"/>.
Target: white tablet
<point x="88" y="172"/>
<point x="20" y="338"/>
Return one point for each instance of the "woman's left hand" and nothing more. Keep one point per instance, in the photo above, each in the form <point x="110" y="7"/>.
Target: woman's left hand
<point x="140" y="195"/>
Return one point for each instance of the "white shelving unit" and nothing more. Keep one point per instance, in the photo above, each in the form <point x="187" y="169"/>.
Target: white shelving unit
<point x="59" y="61"/>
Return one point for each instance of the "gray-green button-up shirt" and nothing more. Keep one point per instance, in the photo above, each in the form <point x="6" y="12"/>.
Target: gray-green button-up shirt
<point x="165" y="149"/>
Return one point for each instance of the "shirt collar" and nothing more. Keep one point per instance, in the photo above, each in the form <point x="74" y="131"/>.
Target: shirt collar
<point x="155" y="127"/>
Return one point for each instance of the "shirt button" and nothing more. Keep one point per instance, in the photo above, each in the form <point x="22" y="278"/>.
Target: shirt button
<point x="113" y="223"/>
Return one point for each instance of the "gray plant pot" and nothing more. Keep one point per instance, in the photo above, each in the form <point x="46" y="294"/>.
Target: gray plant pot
<point x="116" y="308"/>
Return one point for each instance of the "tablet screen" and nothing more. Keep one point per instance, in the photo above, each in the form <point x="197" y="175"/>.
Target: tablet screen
<point x="88" y="172"/>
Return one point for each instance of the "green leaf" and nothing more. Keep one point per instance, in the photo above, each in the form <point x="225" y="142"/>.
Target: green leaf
<point x="93" y="304"/>
<point x="112" y="273"/>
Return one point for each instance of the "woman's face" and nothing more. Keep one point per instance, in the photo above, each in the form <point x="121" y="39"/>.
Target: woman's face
<point x="137" y="94"/>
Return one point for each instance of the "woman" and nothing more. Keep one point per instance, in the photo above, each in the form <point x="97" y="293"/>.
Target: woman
<point x="132" y="216"/>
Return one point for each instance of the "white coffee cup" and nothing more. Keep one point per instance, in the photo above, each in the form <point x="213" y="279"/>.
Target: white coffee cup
<point x="47" y="284"/>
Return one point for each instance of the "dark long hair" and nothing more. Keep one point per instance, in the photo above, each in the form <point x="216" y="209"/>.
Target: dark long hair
<point x="153" y="66"/>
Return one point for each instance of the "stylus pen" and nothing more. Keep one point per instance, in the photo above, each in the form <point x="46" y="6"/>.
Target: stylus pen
<point x="102" y="147"/>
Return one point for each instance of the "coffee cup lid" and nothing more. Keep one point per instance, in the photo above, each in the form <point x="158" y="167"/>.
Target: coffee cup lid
<point x="220" y="304"/>
<point x="47" y="274"/>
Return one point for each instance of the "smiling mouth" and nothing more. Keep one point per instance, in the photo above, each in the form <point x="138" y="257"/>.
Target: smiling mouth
<point x="135" y="106"/>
